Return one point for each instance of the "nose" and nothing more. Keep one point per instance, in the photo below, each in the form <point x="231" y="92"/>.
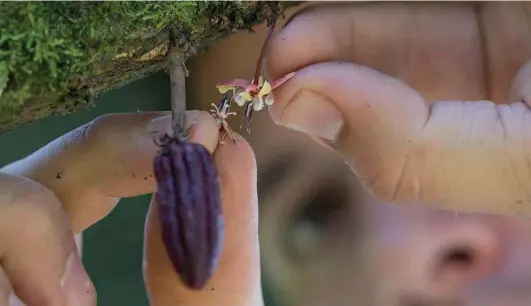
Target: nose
<point x="433" y="255"/>
<point x="457" y="254"/>
<point x="462" y="254"/>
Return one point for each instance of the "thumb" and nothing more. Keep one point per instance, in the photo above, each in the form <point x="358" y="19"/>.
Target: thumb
<point x="236" y="281"/>
<point x="370" y="117"/>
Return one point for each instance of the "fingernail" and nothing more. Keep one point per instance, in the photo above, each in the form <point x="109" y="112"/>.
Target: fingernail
<point x="77" y="287"/>
<point x="163" y="124"/>
<point x="190" y="118"/>
<point x="314" y="115"/>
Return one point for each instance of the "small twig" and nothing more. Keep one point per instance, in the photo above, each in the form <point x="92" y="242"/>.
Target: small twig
<point x="271" y="24"/>
<point x="178" y="94"/>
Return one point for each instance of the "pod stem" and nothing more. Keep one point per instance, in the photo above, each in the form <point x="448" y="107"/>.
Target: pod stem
<point x="178" y="74"/>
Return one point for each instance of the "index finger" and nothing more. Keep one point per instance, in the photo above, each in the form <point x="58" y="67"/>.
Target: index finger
<point x="395" y="38"/>
<point x="92" y="167"/>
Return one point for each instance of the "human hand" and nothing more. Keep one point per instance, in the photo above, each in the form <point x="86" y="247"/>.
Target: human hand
<point x="74" y="181"/>
<point x="390" y="122"/>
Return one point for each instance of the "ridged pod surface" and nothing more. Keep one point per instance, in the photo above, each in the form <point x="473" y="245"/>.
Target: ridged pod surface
<point x="190" y="213"/>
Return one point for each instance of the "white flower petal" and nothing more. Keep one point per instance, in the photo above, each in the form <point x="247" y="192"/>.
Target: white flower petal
<point x="269" y="100"/>
<point x="258" y="104"/>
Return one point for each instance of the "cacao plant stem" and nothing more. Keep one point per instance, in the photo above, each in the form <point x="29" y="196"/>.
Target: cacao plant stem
<point x="178" y="75"/>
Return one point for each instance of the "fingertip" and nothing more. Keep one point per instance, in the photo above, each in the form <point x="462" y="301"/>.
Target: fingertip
<point x="238" y="154"/>
<point x="308" y="104"/>
<point x="237" y="169"/>
<point x="312" y="34"/>
<point x="202" y="127"/>
<point x="161" y="125"/>
<point x="240" y="251"/>
<point x="322" y="97"/>
<point x="77" y="287"/>
<point x="204" y="130"/>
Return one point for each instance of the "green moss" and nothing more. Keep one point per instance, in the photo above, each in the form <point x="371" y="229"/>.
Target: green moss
<point x="57" y="56"/>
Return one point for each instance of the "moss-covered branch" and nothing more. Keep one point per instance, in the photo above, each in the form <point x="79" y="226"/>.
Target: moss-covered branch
<point x="58" y="56"/>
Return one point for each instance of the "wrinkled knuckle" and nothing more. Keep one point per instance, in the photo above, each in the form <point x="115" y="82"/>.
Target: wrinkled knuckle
<point x="97" y="129"/>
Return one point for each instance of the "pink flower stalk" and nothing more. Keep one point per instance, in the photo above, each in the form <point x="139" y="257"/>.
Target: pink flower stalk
<point x="254" y="95"/>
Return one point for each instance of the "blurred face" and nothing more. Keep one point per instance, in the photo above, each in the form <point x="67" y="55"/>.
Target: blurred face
<point x="326" y="241"/>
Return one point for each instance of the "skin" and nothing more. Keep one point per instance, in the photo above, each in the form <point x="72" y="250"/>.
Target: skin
<point x="55" y="215"/>
<point x="404" y="122"/>
<point x="425" y="111"/>
<point x="325" y="240"/>
<point x="384" y="122"/>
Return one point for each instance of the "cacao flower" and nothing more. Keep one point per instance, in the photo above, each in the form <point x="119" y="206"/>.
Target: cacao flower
<point x="258" y="94"/>
<point x="254" y="95"/>
<point x="190" y="213"/>
<point x="221" y="113"/>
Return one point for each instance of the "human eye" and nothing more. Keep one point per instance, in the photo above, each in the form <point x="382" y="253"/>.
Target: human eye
<point x="320" y="215"/>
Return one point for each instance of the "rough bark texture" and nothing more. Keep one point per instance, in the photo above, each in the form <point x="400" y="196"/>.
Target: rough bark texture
<point x="58" y="56"/>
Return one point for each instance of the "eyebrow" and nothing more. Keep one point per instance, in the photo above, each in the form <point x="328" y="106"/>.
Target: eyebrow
<point x="273" y="173"/>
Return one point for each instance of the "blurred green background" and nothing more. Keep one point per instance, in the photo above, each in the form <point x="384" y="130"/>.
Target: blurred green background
<point x="112" y="249"/>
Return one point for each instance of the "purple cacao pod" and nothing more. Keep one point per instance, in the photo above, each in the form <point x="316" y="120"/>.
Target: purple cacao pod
<point x="190" y="213"/>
